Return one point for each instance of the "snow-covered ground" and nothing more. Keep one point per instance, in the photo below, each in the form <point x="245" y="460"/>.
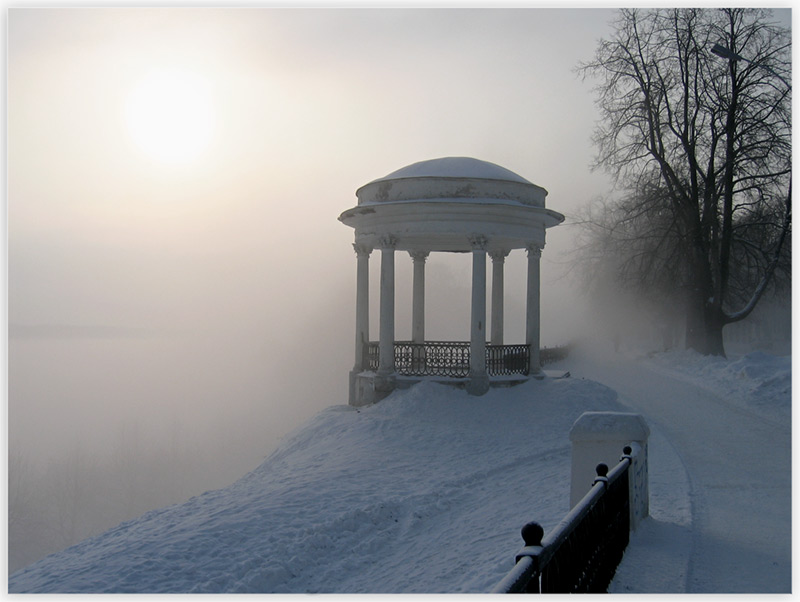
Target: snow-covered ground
<point x="758" y="381"/>
<point x="728" y="422"/>
<point x="426" y="492"/>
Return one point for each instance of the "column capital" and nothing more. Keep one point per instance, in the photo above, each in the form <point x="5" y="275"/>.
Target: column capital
<point x="387" y="241"/>
<point x="478" y="242"/>
<point x="419" y="255"/>
<point x="498" y="255"/>
<point x="534" y="250"/>
<point x="362" y="250"/>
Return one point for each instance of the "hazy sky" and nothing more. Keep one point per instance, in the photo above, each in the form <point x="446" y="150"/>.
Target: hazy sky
<point x="303" y="107"/>
<point x="118" y="226"/>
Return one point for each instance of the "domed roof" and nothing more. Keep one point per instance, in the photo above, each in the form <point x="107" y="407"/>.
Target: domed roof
<point x="455" y="167"/>
<point x="443" y="204"/>
<point x="450" y="179"/>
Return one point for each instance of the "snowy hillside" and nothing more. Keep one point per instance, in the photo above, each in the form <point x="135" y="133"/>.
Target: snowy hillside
<point x="423" y="492"/>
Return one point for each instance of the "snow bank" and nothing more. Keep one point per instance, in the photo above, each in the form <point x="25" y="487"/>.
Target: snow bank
<point x="423" y="492"/>
<point x="757" y="381"/>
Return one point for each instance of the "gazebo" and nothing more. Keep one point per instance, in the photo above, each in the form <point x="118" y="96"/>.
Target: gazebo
<point x="447" y="205"/>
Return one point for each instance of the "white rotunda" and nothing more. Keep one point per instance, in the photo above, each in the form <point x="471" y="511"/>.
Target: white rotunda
<point x="448" y="205"/>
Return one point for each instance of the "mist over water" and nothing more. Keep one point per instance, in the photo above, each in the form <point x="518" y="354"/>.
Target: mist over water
<point x="73" y="384"/>
<point x="137" y="424"/>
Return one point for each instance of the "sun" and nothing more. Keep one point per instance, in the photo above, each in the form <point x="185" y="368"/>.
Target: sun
<point x="170" y="115"/>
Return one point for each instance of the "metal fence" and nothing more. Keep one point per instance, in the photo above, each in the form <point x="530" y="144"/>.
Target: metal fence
<point x="432" y="359"/>
<point x="505" y="360"/>
<point x="551" y="355"/>
<point x="581" y="554"/>
<point x="436" y="358"/>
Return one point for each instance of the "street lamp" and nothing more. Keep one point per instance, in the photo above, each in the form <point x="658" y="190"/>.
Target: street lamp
<point x="729" y="54"/>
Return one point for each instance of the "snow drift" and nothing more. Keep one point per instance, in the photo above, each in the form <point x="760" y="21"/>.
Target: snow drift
<point x="423" y="492"/>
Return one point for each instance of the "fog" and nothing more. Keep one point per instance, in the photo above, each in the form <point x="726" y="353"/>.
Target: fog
<point x="170" y="322"/>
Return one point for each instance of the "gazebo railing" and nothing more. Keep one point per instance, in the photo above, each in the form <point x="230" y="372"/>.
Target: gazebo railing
<point x="451" y="359"/>
<point x="505" y="360"/>
<point x="431" y="359"/>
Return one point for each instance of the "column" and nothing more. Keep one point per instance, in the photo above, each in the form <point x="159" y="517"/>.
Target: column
<point x="479" y="381"/>
<point x="498" y="262"/>
<point x="386" y="364"/>
<point x="532" y="308"/>
<point x="418" y="304"/>
<point x="362" y="304"/>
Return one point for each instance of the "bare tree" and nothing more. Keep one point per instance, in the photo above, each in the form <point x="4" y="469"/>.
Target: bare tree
<point x="702" y="146"/>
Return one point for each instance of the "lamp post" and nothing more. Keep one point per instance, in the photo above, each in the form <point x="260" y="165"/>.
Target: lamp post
<point x="730" y="55"/>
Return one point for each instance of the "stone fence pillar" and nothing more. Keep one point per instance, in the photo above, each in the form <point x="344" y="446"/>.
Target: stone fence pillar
<point x="599" y="437"/>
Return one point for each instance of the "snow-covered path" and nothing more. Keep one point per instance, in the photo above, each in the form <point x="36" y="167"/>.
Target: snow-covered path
<point x="738" y="463"/>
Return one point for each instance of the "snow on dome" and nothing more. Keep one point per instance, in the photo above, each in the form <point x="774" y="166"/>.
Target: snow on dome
<point x="449" y="179"/>
<point x="455" y="167"/>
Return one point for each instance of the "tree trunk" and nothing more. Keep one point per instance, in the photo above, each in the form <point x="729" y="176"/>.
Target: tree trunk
<point x="695" y="331"/>
<point x="704" y="323"/>
<point x="715" y="321"/>
<point x="704" y="318"/>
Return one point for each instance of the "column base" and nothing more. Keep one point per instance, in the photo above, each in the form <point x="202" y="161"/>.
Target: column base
<point x="367" y="388"/>
<point x="535" y="367"/>
<point x="478" y="384"/>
